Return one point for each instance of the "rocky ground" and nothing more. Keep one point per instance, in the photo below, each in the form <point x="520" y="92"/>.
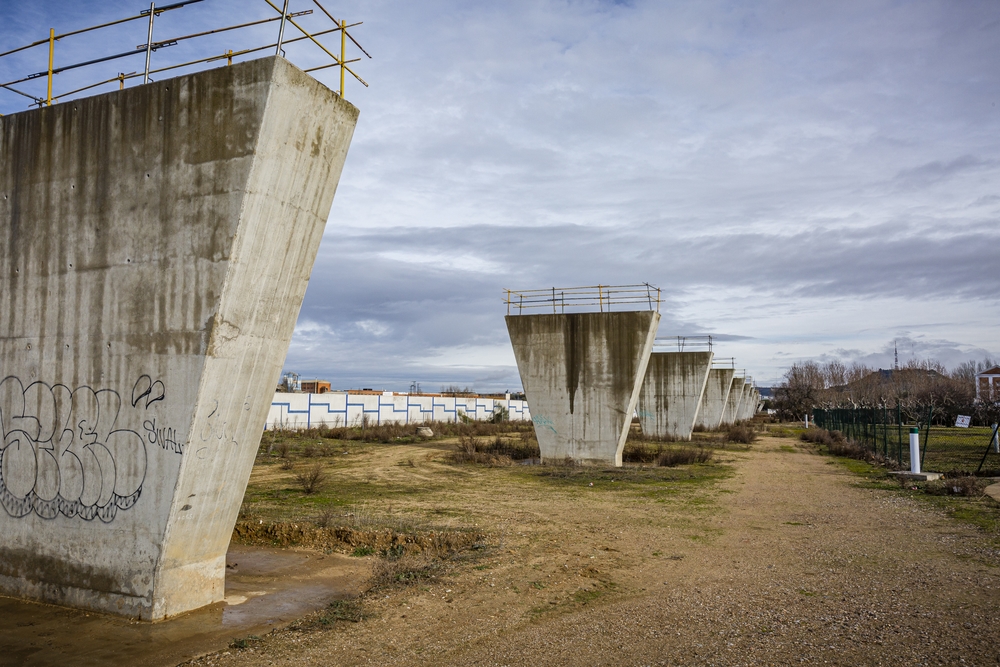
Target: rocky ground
<point x="779" y="556"/>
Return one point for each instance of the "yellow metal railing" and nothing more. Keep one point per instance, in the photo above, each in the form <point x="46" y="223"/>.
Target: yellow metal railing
<point x="685" y="343"/>
<point x="284" y="16"/>
<point x="603" y="297"/>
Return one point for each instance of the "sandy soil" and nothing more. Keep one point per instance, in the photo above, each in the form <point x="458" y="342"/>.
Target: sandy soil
<point x="789" y="560"/>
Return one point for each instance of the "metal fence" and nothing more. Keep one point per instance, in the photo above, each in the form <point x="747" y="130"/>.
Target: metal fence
<point x="285" y="21"/>
<point x="575" y="299"/>
<point x="973" y="449"/>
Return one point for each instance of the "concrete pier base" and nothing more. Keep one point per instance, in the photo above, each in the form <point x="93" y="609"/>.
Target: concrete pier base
<point x="714" y="398"/>
<point x="671" y="393"/>
<point x="581" y="374"/>
<point x="155" y="246"/>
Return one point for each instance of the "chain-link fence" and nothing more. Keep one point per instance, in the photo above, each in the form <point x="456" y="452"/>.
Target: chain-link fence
<point x="885" y="431"/>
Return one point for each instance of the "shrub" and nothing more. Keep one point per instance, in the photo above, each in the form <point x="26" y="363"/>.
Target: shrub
<point x="678" y="456"/>
<point x="742" y="433"/>
<point x="326" y="518"/>
<point x="500" y="414"/>
<point x="642" y="452"/>
<point x="499" y="451"/>
<point x="311" y="479"/>
<point x="838" y="445"/>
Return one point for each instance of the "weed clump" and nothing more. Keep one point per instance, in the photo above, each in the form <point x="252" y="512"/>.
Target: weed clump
<point x="342" y="610"/>
<point x="966" y="486"/>
<point x="398" y="570"/>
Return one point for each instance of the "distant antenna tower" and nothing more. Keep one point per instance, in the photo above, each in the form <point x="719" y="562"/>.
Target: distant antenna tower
<point x="895" y="353"/>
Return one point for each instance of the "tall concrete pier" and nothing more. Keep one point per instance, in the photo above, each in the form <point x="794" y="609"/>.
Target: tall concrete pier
<point x="751" y="403"/>
<point x="672" y="392"/>
<point x="733" y="402"/>
<point x="155" y="246"/>
<point x="713" y="400"/>
<point x="581" y="374"/>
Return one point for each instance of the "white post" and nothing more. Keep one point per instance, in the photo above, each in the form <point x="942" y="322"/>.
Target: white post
<point x="915" y="450"/>
<point x="807" y="420"/>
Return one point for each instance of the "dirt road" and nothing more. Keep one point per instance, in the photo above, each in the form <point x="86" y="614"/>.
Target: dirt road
<point x="786" y="561"/>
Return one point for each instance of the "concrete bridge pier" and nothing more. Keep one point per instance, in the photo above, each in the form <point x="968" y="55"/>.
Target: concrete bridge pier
<point x="733" y="402"/>
<point x="155" y="247"/>
<point x="672" y="393"/>
<point x="581" y="374"/>
<point x="715" y="397"/>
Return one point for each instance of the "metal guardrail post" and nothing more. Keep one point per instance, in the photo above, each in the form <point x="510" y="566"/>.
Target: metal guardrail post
<point x="343" y="52"/>
<point x="52" y="53"/>
<point x="281" y="36"/>
<point x="149" y="41"/>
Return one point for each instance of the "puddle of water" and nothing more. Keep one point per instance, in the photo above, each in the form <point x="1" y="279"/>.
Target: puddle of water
<point x="265" y="589"/>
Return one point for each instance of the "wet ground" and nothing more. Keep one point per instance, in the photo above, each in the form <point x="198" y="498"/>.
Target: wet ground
<point x="265" y="589"/>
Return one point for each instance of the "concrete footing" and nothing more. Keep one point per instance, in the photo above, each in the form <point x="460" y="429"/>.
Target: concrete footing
<point x="155" y="247"/>
<point x="917" y="476"/>
<point x="581" y="374"/>
<point x="671" y="393"/>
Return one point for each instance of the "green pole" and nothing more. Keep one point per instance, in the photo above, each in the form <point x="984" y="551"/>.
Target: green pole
<point x="899" y="423"/>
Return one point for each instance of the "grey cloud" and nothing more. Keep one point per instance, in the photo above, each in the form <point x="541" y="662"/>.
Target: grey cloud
<point x="752" y="158"/>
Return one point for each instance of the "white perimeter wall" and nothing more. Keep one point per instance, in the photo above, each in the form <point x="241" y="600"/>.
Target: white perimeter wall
<point x="337" y="408"/>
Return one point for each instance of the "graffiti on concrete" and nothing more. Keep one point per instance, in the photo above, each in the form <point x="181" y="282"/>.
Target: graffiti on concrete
<point x="544" y="422"/>
<point x="64" y="452"/>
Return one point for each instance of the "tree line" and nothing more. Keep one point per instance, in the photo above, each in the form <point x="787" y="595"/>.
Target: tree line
<point x="914" y="387"/>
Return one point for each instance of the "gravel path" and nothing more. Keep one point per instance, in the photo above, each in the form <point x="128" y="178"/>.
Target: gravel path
<point x="787" y="562"/>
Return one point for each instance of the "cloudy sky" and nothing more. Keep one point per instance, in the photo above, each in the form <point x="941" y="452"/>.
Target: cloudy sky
<point x="804" y="180"/>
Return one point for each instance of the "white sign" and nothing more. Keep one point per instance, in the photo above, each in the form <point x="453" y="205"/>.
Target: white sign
<point x="963" y="421"/>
